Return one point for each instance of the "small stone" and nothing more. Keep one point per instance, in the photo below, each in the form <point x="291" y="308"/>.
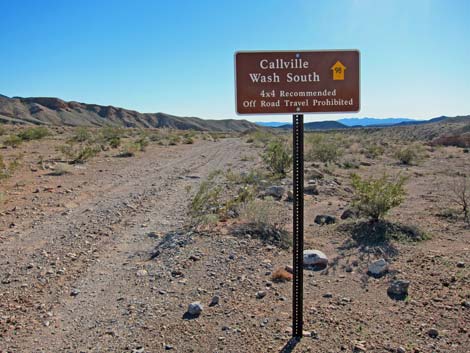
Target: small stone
<point x="460" y="264"/>
<point x="401" y="350"/>
<point x="74" y="292"/>
<point x="398" y="289"/>
<point x="324" y="219"/>
<point x="168" y="347"/>
<point x="214" y="301"/>
<point x="315" y="258"/>
<point x="275" y="191"/>
<point x="261" y="294"/>
<point x="433" y="333"/>
<point x="141" y="273"/>
<point x="195" y="308"/>
<point x="289" y="269"/>
<point x="327" y="295"/>
<point x="378" y="268"/>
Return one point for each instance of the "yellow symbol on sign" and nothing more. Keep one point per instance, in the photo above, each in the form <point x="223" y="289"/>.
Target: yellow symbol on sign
<point x="338" y="71"/>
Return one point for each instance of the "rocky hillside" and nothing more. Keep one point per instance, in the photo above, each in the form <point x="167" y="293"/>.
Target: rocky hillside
<point x="54" y="111"/>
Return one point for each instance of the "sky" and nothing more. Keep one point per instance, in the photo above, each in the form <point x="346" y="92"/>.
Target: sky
<point x="177" y="56"/>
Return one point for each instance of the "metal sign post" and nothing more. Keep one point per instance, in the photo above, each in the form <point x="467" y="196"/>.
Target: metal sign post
<point x="297" y="82"/>
<point x="298" y="243"/>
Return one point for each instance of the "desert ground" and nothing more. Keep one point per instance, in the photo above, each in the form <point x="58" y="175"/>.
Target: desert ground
<point x="103" y="249"/>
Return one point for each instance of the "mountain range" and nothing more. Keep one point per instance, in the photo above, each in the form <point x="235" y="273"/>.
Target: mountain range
<point x="54" y="111"/>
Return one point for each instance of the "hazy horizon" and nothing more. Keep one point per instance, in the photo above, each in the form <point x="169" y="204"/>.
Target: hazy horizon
<point x="167" y="57"/>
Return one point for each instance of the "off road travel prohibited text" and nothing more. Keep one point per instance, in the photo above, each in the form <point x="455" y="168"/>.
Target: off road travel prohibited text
<point x="297" y="82"/>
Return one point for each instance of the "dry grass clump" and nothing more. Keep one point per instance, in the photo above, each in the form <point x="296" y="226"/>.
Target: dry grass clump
<point x="281" y="275"/>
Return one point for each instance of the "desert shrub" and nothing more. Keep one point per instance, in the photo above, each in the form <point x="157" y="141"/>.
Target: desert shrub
<point x="129" y="150"/>
<point x="373" y="151"/>
<point x="259" y="138"/>
<point x="188" y="140"/>
<point x="351" y="164"/>
<point x="277" y="157"/>
<point x="412" y="154"/>
<point x="61" y="169"/>
<point x="375" y="197"/>
<point x="259" y="221"/>
<point x="206" y="204"/>
<point x="142" y="142"/>
<point x="252" y="177"/>
<point x="461" y="196"/>
<point x="79" y="154"/>
<point x="7" y="169"/>
<point x="12" y="141"/>
<point x="173" y="140"/>
<point x="111" y="135"/>
<point x="324" y="149"/>
<point x="81" y="134"/>
<point x="34" y="133"/>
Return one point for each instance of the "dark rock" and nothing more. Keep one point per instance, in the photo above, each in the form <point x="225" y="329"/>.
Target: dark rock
<point x="311" y="190"/>
<point x="325" y="219"/>
<point x="275" y="191"/>
<point x="349" y="213"/>
<point x="433" y="333"/>
<point x="398" y="289"/>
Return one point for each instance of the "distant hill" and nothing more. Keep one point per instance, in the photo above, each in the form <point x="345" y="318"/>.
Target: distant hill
<point x="318" y="125"/>
<point x="54" y="111"/>
<point x="373" y="121"/>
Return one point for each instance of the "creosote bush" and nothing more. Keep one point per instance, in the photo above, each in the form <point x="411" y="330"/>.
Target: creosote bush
<point x="34" y="133"/>
<point x="7" y="169"/>
<point x="410" y="155"/>
<point x="326" y="149"/>
<point x="12" y="141"/>
<point x="374" y="197"/>
<point x="79" y="154"/>
<point x="277" y="157"/>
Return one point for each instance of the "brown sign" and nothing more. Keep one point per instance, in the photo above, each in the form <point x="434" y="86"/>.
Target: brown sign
<point x="297" y="82"/>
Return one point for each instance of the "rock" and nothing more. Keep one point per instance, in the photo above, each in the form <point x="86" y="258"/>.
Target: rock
<point x="466" y="304"/>
<point x="261" y="294"/>
<point x="327" y="295"/>
<point x="324" y="219"/>
<point x="215" y="300"/>
<point x="168" y="347"/>
<point x="195" y="308"/>
<point x="433" y="333"/>
<point x="315" y="258"/>
<point x="398" y="289"/>
<point x="349" y="213"/>
<point x="275" y="191"/>
<point x="74" y="292"/>
<point x="311" y="190"/>
<point x="460" y="264"/>
<point x="314" y="174"/>
<point x="401" y="350"/>
<point x="378" y="268"/>
<point x="289" y="269"/>
<point x="290" y="196"/>
<point x="141" y="273"/>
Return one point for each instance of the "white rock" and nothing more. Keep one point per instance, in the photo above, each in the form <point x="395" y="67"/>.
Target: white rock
<point x="378" y="268"/>
<point x="315" y="257"/>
